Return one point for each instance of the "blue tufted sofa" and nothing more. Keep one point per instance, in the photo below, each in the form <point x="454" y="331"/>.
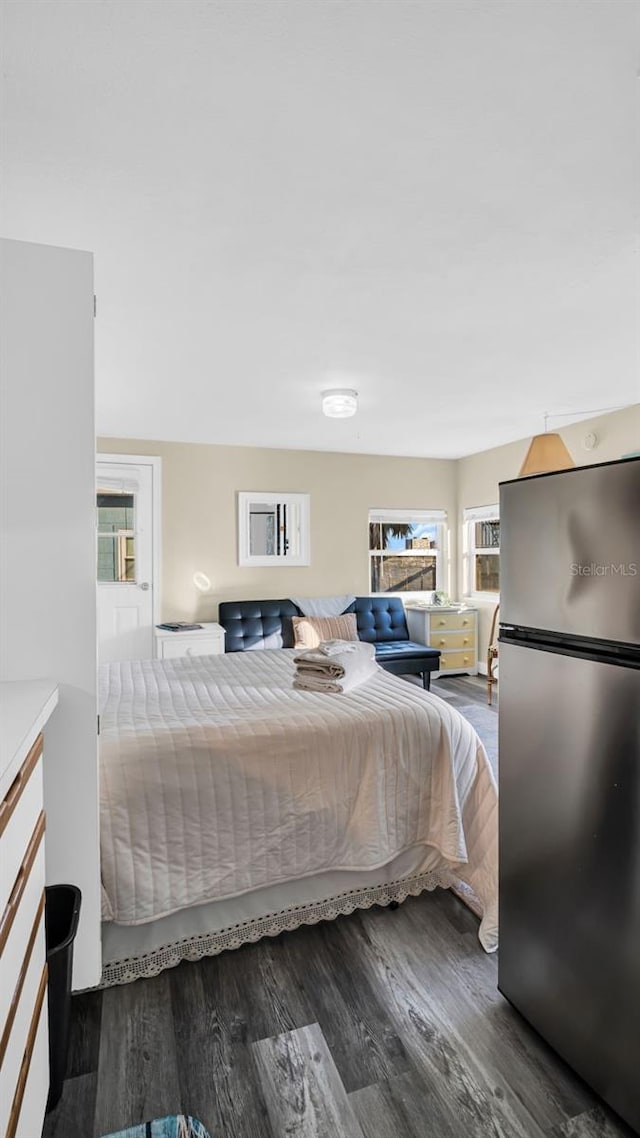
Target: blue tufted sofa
<point x="381" y="621"/>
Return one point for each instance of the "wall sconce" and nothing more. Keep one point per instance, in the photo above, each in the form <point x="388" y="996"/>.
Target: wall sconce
<point x="202" y="582"/>
<point x="340" y="403"/>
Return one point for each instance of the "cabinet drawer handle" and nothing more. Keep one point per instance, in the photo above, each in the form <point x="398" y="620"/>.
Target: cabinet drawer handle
<point x="16" y="1105"/>
<point x="9" y="915"/>
<point x="19" y="783"/>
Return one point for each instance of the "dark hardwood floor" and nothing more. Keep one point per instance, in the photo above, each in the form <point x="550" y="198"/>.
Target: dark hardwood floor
<point x="384" y="1024"/>
<point x="461" y="690"/>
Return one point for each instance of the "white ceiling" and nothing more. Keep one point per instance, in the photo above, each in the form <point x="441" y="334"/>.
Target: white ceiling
<point x="432" y="201"/>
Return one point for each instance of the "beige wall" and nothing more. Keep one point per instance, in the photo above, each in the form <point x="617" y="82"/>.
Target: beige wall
<point x="199" y="524"/>
<point x="618" y="434"/>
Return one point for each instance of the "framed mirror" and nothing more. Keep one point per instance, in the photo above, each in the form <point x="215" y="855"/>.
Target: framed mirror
<point x="273" y="528"/>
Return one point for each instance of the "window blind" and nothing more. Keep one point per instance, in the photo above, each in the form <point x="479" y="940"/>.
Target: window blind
<point x="424" y="516"/>
<point x="126" y="483"/>
<point x="482" y="514"/>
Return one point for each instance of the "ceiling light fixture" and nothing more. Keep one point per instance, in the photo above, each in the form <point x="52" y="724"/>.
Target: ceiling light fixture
<point x="546" y="453"/>
<point x="340" y="402"/>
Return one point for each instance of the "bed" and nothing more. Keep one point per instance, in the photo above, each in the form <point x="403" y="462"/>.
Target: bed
<point x="233" y="806"/>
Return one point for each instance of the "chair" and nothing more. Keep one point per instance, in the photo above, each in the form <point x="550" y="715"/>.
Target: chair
<point x="492" y="655"/>
<point x="382" y="622"/>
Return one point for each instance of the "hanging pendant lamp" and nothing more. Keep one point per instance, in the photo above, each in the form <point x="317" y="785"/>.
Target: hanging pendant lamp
<point x="546" y="453"/>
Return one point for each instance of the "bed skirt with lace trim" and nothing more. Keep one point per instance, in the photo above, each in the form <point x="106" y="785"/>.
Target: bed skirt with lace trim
<point x="272" y="924"/>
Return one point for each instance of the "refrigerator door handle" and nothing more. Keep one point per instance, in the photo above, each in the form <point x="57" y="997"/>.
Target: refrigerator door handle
<point x="622" y="655"/>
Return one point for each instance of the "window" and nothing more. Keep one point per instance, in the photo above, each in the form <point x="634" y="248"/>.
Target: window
<point x="406" y="550"/>
<point x="482" y="550"/>
<point x="116" y="537"/>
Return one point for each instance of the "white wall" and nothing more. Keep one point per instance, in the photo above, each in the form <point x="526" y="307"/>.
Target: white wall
<point x="47" y="529"/>
<point x="479" y="475"/>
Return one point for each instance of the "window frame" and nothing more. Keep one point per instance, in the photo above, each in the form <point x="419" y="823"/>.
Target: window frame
<point x="435" y="517"/>
<point x="121" y="557"/>
<point x="471" y="517"/>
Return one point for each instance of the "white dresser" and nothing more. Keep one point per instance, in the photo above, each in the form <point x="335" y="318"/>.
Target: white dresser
<point x="453" y="631"/>
<point x="205" y="641"/>
<point x="24" y="1039"/>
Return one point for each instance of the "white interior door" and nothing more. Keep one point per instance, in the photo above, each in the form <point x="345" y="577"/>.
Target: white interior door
<point x="125" y="523"/>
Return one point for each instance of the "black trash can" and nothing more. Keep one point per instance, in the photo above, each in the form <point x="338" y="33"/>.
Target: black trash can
<point x="61" y="917"/>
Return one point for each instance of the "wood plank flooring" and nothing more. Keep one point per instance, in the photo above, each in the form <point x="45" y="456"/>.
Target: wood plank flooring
<point x="384" y="1024"/>
<point x="461" y="690"/>
<point x="303" y="1090"/>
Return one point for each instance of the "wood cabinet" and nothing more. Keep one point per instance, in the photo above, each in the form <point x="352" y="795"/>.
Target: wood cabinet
<point x="453" y="631"/>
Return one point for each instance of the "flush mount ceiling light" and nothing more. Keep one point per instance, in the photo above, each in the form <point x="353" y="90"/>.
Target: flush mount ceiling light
<point x="340" y="402"/>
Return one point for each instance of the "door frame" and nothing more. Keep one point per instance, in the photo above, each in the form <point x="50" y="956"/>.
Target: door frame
<point x="155" y="462"/>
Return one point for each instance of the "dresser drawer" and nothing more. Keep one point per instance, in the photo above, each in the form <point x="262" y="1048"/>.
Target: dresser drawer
<point x="18" y="817"/>
<point x="445" y="641"/>
<point x="457" y="660"/>
<point x="25" y="939"/>
<point x="17" y="1065"/>
<point x="451" y="620"/>
<point x="211" y="646"/>
<point x="34" y="1102"/>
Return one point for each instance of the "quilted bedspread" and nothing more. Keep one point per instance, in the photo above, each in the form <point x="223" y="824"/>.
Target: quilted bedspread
<point x="217" y="778"/>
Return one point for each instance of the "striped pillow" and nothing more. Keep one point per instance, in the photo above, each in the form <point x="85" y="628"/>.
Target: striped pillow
<point x="310" y="631"/>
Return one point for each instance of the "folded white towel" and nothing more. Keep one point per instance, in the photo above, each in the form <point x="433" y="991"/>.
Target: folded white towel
<point x="332" y="687"/>
<point x="335" y="647"/>
<point x="341" y="672"/>
<point x="348" y="657"/>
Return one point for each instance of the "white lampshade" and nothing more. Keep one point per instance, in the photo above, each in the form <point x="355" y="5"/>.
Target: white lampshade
<point x="340" y="403"/>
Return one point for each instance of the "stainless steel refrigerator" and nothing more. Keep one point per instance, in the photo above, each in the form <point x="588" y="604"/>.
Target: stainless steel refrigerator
<point x="569" y="673"/>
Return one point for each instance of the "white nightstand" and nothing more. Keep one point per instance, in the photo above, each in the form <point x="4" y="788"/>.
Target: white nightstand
<point x="205" y="641"/>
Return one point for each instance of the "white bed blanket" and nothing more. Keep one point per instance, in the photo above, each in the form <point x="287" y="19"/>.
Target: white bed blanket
<point x="218" y="778"/>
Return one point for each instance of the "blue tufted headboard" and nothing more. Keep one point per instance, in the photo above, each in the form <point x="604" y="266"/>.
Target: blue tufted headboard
<point x="267" y="624"/>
